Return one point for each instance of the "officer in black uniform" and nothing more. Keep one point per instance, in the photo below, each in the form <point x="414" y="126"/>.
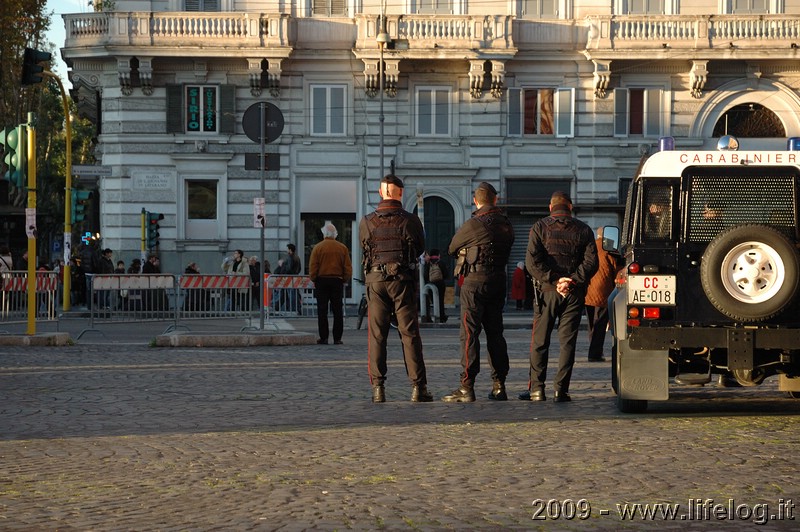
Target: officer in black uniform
<point x="392" y="239"/>
<point x="482" y="246"/>
<point x="562" y="258"/>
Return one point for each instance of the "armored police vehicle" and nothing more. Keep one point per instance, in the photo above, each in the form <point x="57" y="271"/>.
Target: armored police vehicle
<point x="710" y="287"/>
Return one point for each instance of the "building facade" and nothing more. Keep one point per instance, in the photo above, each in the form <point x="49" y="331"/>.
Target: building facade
<point x="530" y="95"/>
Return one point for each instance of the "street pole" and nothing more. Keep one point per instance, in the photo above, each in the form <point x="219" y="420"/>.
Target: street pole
<point x="262" y="166"/>
<point x="30" y="146"/>
<point x="382" y="39"/>
<point x="67" y="284"/>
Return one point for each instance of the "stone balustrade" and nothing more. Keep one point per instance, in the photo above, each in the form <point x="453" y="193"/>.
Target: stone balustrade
<point x="692" y="32"/>
<point x="438" y="32"/>
<point x="176" y="29"/>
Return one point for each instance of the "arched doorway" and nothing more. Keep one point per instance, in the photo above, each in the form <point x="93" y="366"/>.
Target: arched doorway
<point x="439" y="220"/>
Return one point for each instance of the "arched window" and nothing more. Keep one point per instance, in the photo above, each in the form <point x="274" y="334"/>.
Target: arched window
<point x="749" y="120"/>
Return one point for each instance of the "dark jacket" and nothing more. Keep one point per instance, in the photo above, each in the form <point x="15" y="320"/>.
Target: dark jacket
<point x="492" y="235"/>
<point x="410" y="232"/>
<point x="561" y="246"/>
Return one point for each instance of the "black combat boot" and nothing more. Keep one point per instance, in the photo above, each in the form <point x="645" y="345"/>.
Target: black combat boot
<point x="463" y="394"/>
<point x="420" y="394"/>
<point x="498" y="392"/>
<point x="378" y="394"/>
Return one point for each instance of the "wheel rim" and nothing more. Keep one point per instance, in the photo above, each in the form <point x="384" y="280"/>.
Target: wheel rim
<point x="753" y="272"/>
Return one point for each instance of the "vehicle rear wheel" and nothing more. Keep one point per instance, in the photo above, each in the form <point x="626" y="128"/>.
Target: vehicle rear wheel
<point x="631" y="406"/>
<point x="749" y="272"/>
<point x="749" y="377"/>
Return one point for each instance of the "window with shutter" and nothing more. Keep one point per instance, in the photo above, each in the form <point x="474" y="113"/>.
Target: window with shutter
<point x="433" y="111"/>
<point x="637" y="112"/>
<point x="201" y="5"/>
<point x="328" y="8"/>
<point x="227" y="109"/>
<point x="543" y="111"/>
<point x="328" y="109"/>
<point x="175" y="109"/>
<point x="201" y="109"/>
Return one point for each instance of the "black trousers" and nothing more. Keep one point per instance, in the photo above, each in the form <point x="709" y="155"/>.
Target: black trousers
<point x="598" y="322"/>
<point x="482" y="309"/>
<point x="385" y="297"/>
<point x="567" y="311"/>
<point x="330" y="293"/>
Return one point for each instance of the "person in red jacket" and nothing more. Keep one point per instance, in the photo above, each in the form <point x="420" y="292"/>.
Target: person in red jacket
<point x="518" y="285"/>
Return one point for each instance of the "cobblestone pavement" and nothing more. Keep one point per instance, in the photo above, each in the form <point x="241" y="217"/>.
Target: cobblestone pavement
<point x="106" y="436"/>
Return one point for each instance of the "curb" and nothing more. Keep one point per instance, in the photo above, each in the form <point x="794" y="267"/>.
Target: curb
<point x="233" y="340"/>
<point x="37" y="340"/>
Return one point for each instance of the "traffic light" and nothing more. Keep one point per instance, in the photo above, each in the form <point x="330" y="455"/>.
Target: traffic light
<point x="31" y="69"/>
<point x="14" y="158"/>
<point x="80" y="199"/>
<point x="152" y="228"/>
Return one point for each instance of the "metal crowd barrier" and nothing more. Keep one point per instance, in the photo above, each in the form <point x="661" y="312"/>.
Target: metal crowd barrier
<point x="131" y="297"/>
<point x="290" y="296"/>
<point x="216" y="296"/>
<point x="14" y="296"/>
<point x="115" y="298"/>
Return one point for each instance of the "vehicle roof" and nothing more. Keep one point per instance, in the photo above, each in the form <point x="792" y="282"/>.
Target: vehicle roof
<point x="673" y="163"/>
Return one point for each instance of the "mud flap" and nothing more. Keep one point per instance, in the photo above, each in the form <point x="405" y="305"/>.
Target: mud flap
<point x="643" y="375"/>
<point x="787" y="384"/>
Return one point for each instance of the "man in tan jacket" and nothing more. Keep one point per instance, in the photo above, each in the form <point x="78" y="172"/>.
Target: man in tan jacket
<point x="596" y="302"/>
<point x="329" y="267"/>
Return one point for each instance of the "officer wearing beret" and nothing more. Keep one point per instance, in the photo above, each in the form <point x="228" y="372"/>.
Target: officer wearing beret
<point x="482" y="246"/>
<point x="392" y="239"/>
<point x="562" y="258"/>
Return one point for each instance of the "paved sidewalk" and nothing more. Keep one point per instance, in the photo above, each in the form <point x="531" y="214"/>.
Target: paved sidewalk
<point x="120" y="436"/>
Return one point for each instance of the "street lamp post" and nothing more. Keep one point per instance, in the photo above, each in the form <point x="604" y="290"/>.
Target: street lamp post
<point x="383" y="39"/>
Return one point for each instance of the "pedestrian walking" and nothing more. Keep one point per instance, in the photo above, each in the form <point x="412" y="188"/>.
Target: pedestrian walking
<point x="482" y="246"/>
<point x="392" y="239"/>
<point x="596" y="302"/>
<point x="562" y="257"/>
<point x="329" y="267"/>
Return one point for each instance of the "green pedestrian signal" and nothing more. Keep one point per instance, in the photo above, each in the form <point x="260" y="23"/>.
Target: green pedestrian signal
<point x="152" y="228"/>
<point x="14" y="159"/>
<point x="80" y="199"/>
<point x="31" y="69"/>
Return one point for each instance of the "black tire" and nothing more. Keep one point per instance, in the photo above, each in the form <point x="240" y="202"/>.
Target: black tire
<point x="631" y="406"/>
<point x="794" y="395"/>
<point x="749" y="272"/>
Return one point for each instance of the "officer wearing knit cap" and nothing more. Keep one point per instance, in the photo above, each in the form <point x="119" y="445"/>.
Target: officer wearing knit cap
<point x="562" y="258"/>
<point x="483" y="245"/>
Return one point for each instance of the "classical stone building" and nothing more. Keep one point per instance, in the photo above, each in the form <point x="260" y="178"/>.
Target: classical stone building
<point x="531" y="95"/>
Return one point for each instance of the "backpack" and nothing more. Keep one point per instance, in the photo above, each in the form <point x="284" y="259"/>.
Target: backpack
<point x="435" y="273"/>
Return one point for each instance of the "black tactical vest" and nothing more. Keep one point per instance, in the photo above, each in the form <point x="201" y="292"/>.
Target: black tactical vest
<point x="387" y="242"/>
<point x="495" y="253"/>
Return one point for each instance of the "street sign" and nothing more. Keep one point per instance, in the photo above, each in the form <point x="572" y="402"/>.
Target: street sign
<point x="273" y="122"/>
<point x="259" y="213"/>
<point x="91" y="169"/>
<point x="251" y="161"/>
